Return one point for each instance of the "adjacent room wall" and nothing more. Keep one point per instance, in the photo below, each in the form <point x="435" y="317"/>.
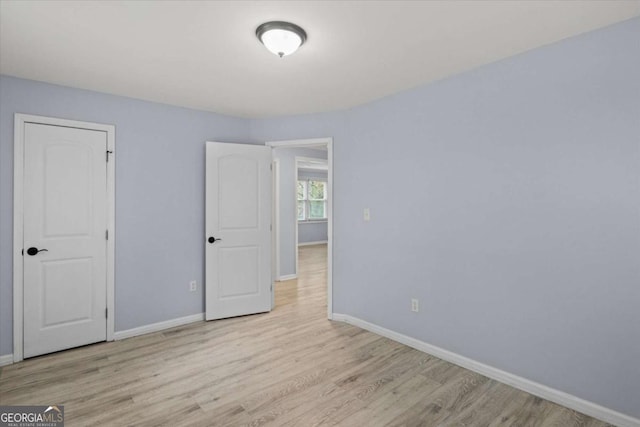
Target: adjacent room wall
<point x="159" y="196"/>
<point x="507" y="200"/>
<point x="287" y="190"/>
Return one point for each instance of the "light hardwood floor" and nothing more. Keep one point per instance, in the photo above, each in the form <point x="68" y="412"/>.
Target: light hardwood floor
<point x="290" y="367"/>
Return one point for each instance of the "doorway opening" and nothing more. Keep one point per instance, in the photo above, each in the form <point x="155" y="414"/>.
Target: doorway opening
<point x="303" y="211"/>
<point x="312" y="214"/>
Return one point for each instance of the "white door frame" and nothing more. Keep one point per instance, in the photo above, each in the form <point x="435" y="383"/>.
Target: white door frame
<point x="275" y="220"/>
<point x="301" y="143"/>
<point x="20" y="120"/>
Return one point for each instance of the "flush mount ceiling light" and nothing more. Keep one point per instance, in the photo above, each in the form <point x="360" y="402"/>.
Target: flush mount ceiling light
<point x="281" y="38"/>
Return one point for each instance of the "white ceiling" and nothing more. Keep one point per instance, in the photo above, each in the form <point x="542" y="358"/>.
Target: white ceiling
<point x="205" y="55"/>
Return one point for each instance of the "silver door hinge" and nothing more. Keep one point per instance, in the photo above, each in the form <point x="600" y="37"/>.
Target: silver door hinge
<point x="271" y="166"/>
<point x="106" y="234"/>
<point x="109" y="152"/>
<point x="106" y="313"/>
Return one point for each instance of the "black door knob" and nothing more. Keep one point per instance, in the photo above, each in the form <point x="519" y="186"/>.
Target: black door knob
<point x="213" y="239"/>
<point x="34" y="251"/>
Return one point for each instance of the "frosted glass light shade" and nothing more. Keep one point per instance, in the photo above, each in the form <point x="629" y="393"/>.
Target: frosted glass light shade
<point x="281" y="38"/>
<point x="281" y="42"/>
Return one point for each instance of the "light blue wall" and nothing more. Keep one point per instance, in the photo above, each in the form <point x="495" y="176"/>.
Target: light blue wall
<point x="159" y="195"/>
<point x="287" y="189"/>
<point x="312" y="231"/>
<point x="507" y="199"/>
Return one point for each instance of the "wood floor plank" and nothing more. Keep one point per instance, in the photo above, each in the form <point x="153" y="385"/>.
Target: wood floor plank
<point x="389" y="406"/>
<point x="290" y="367"/>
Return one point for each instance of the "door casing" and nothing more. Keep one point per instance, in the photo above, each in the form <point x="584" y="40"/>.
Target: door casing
<point x="18" y="220"/>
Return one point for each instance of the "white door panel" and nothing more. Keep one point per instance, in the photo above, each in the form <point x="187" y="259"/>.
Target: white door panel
<point x="65" y="213"/>
<point x="238" y="206"/>
<point x="238" y="216"/>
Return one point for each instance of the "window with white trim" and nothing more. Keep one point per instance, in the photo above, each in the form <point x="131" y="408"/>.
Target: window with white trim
<point x="312" y="199"/>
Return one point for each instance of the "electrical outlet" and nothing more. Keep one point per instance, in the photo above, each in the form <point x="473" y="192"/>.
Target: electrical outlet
<point x="415" y="305"/>
<point x="367" y="214"/>
<point x="193" y="285"/>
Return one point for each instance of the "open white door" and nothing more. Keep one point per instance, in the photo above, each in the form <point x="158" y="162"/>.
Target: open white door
<point x="238" y="227"/>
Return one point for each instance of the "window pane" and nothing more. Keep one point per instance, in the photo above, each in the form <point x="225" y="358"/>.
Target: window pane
<point x="317" y="210"/>
<point x="301" y="206"/>
<point x="317" y="190"/>
<point x="302" y="185"/>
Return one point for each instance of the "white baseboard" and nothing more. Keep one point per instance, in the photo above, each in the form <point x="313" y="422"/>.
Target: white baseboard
<point x="6" y="359"/>
<point x="155" y="327"/>
<point x="287" y="277"/>
<point x="319" y="242"/>
<point x="548" y="393"/>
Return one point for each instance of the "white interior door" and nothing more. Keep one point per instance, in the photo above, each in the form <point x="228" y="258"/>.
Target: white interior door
<point x="238" y="226"/>
<point x="65" y="247"/>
